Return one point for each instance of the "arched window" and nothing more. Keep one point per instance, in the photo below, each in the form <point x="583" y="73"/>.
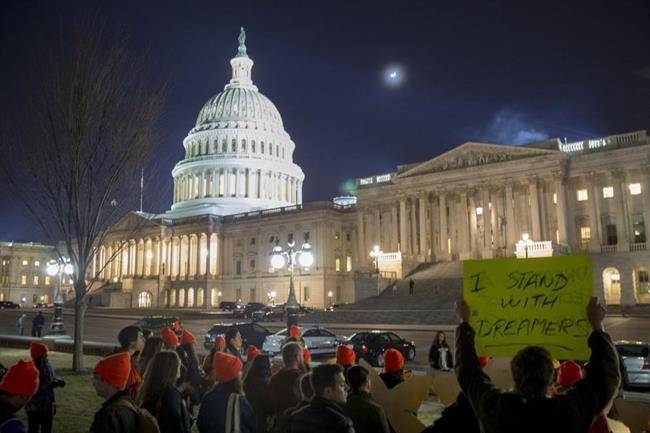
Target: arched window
<point x="224" y="148"/>
<point x="233" y="147"/>
<point x="181" y="297"/>
<point x="253" y="146"/>
<point x="199" y="297"/>
<point x="144" y="300"/>
<point x="190" y="297"/>
<point x="243" y="145"/>
<point x="262" y="147"/>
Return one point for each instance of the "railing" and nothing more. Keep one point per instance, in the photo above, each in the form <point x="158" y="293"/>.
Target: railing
<point x="389" y="257"/>
<point x="639" y="246"/>
<point x="533" y="249"/>
<point x="619" y="140"/>
<point x="607" y="249"/>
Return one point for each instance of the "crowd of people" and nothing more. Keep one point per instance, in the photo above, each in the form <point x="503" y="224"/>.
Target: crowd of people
<point x="155" y="383"/>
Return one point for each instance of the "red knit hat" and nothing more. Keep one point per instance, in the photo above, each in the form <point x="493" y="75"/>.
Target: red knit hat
<point x="115" y="369"/>
<point x="393" y="361"/>
<point x="220" y="342"/>
<point x="187" y="337"/>
<point x="252" y="352"/>
<point x="226" y="367"/>
<point x="306" y="356"/>
<point x="20" y="379"/>
<point x="344" y="355"/>
<point x="568" y="373"/>
<point x="36" y="350"/>
<point x="294" y="331"/>
<point x="169" y="337"/>
<point x="483" y="361"/>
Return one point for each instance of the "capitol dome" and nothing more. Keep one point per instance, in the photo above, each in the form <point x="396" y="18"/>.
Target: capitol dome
<point x="238" y="157"/>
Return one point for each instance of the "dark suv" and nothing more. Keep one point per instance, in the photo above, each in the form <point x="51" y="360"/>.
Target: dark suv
<point x="227" y="305"/>
<point x="248" y="310"/>
<point x="156" y="323"/>
<point x="268" y="314"/>
<point x="251" y="333"/>
<point x="8" y="304"/>
<point x="372" y="345"/>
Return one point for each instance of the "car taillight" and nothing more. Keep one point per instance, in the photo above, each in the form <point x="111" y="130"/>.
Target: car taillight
<point x="646" y="364"/>
<point x="363" y="349"/>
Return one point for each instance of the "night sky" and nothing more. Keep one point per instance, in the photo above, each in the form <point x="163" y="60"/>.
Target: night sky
<point x="501" y="72"/>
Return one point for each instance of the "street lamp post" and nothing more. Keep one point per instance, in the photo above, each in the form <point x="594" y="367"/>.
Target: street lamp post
<point x="280" y="259"/>
<point x="329" y="297"/>
<point x="61" y="267"/>
<point x="375" y="253"/>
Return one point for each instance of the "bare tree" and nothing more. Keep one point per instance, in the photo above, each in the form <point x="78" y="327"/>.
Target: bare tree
<point x="75" y="164"/>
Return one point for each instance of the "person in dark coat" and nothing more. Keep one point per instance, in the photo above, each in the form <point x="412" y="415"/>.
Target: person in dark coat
<point x="439" y="354"/>
<point x="213" y="414"/>
<point x="192" y="381"/>
<point x="323" y="414"/>
<point x="258" y="393"/>
<point x="160" y="396"/>
<point x="38" y="322"/>
<point x="366" y="414"/>
<point x="18" y="385"/>
<point x="132" y="342"/>
<point x="42" y="407"/>
<point x="393" y="373"/>
<point x="283" y="383"/>
<point x="233" y="342"/>
<point x="528" y="407"/>
<point x="118" y="413"/>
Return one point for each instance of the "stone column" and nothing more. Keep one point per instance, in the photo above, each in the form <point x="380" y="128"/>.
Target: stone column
<point x="202" y="185"/>
<point x="473" y="227"/>
<point x="433" y="224"/>
<point x="219" y="258"/>
<point x="403" y="241"/>
<point x="646" y="201"/>
<point x="361" y="241"/>
<point x="622" y="217"/>
<point x="487" y="224"/>
<point x="394" y="227"/>
<point x="464" y="250"/>
<point x="534" y="209"/>
<point x="422" y="216"/>
<point x="443" y="236"/>
<point x="377" y="230"/>
<point x="300" y="192"/>
<point x="197" y="268"/>
<point x="594" y="214"/>
<point x="511" y="229"/>
<point x="226" y="182"/>
<point x="497" y="201"/>
<point x="413" y="221"/>
<point x="562" y="209"/>
<point x="543" y="210"/>
<point x="207" y="259"/>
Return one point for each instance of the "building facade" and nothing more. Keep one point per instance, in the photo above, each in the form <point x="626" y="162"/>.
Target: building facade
<point x="237" y="188"/>
<point x="23" y="278"/>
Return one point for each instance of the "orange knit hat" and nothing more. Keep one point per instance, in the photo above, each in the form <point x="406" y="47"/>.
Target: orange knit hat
<point x="483" y="361"/>
<point x="344" y="355"/>
<point x="115" y="369"/>
<point x="226" y="367"/>
<point x="169" y="337"/>
<point x="36" y="350"/>
<point x="294" y="331"/>
<point x="20" y="379"/>
<point x="393" y="361"/>
<point x="220" y="342"/>
<point x="187" y="337"/>
<point x="568" y="373"/>
<point x="252" y="352"/>
<point x="306" y="356"/>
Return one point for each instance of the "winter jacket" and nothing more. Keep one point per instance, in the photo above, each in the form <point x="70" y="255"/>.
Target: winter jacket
<point x="320" y="416"/>
<point x="509" y="412"/>
<point x="282" y="386"/>
<point x="458" y="417"/>
<point x="391" y="380"/>
<point x="114" y="417"/>
<point x="434" y="357"/>
<point x="9" y="423"/>
<point x="231" y="350"/>
<point x="258" y="394"/>
<point x="43" y="400"/>
<point x="171" y="413"/>
<point x="366" y="415"/>
<point x="212" y="414"/>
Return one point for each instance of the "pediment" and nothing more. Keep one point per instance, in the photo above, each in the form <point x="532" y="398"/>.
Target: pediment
<point x="472" y="154"/>
<point x="133" y="222"/>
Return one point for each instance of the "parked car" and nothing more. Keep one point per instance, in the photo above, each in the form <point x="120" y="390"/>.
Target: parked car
<point x="268" y="314"/>
<point x="156" y="323"/>
<point x="251" y="333"/>
<point x="634" y="357"/>
<point x="251" y="307"/>
<point x="319" y="341"/>
<point x="372" y="345"/>
<point x="227" y="305"/>
<point x="238" y="311"/>
<point x="8" y="304"/>
<point x="43" y="305"/>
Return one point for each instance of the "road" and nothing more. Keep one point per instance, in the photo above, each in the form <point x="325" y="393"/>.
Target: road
<point x="104" y="328"/>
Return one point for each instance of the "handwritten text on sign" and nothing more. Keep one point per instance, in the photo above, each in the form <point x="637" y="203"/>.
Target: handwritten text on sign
<point x="516" y="303"/>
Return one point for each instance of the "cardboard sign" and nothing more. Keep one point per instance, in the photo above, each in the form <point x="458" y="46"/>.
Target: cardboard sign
<point x="516" y="303"/>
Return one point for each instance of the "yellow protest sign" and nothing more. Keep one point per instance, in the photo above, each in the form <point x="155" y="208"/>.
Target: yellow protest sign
<point x="516" y="303"/>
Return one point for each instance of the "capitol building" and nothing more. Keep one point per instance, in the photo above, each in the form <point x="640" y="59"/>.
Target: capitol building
<point x="237" y="188"/>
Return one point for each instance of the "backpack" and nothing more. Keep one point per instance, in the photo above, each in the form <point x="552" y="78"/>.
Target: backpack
<point x="232" y="414"/>
<point x="147" y="423"/>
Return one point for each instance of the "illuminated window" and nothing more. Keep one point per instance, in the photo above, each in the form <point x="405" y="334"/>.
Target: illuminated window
<point x="47" y="281"/>
<point x="608" y="192"/>
<point x="23" y="279"/>
<point x="554" y="198"/>
<point x="643" y="276"/>
<point x="37" y="263"/>
<point x="24" y="262"/>
<point x="337" y="264"/>
<point x="582" y="195"/>
<point x="479" y="211"/>
<point x="35" y="280"/>
<point x="635" y="188"/>
<point x="585" y="236"/>
<point x="348" y="263"/>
